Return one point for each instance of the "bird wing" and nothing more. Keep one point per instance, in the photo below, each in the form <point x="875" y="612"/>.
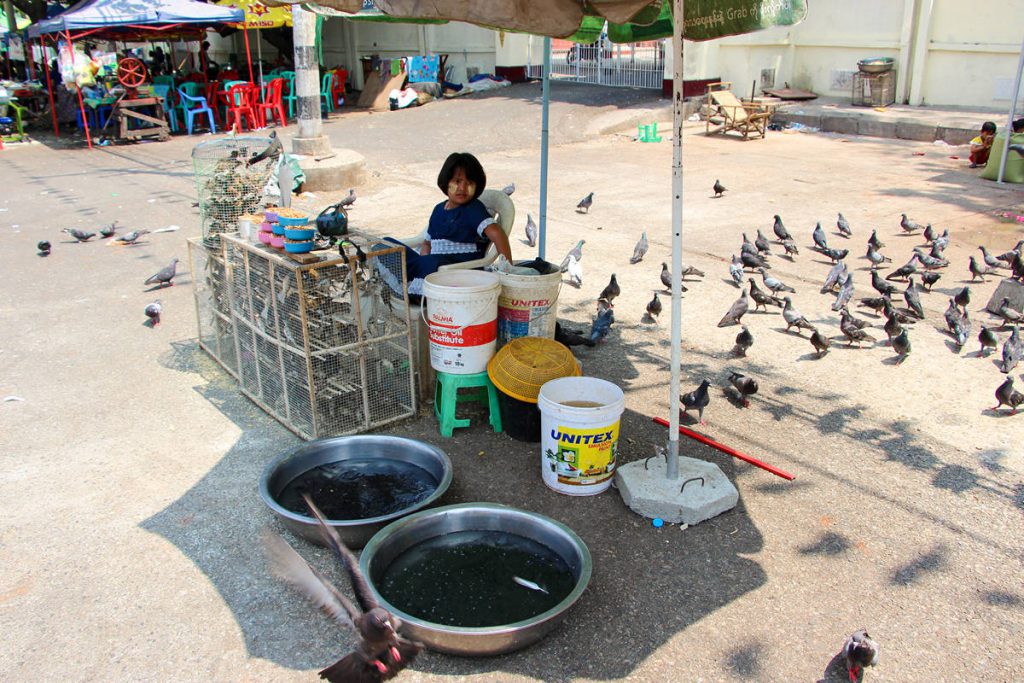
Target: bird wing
<point x="289" y="566"/>
<point x="363" y="594"/>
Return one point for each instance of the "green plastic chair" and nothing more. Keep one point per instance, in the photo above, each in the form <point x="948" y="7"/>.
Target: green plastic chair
<point x="164" y="80"/>
<point x="164" y="91"/>
<point x="289" y="95"/>
<point x="326" y="88"/>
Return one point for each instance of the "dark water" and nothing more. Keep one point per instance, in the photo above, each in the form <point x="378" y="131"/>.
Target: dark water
<point x="359" y="489"/>
<point x="466" y="579"/>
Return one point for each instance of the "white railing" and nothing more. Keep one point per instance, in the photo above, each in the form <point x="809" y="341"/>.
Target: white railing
<point x="630" y="65"/>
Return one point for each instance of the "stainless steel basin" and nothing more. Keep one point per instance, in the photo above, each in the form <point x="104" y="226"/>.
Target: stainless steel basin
<point x="876" y="65"/>
<point x="399" y="536"/>
<point x="355" y="533"/>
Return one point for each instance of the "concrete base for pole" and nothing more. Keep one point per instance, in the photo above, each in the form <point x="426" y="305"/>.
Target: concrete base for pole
<point x="338" y="169"/>
<point x="1012" y="290"/>
<point x="706" y="491"/>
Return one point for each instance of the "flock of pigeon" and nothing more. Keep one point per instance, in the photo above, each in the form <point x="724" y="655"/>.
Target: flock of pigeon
<point x="162" y="278"/>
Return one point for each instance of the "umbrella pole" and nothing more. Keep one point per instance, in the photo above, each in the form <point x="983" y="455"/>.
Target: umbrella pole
<point x="259" y="54"/>
<point x="78" y="89"/>
<point x="248" y="54"/>
<point x="1013" y="106"/>
<point x="49" y="91"/>
<point x="546" y="101"/>
<point x="672" y="466"/>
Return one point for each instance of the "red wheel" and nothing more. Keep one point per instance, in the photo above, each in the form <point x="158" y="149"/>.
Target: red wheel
<point x="131" y="72"/>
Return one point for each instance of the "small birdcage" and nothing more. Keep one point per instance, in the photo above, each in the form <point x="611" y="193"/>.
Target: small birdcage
<point x="874" y="89"/>
<point x="227" y="185"/>
<point x="213" y="305"/>
<point x="320" y="346"/>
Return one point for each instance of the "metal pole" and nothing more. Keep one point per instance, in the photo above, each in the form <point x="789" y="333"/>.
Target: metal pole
<point x="672" y="466"/>
<point x="310" y="139"/>
<point x="248" y="53"/>
<point x="78" y="89"/>
<point x="542" y="242"/>
<point x="49" y="90"/>
<point x="1013" y="106"/>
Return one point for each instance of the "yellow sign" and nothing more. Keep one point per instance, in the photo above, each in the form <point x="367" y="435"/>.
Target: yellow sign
<point x="258" y="15"/>
<point x="583" y="456"/>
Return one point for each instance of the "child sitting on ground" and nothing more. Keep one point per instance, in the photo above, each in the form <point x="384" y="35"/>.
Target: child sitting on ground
<point x="981" y="145"/>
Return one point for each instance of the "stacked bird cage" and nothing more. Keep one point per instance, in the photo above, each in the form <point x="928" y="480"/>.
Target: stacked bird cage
<point x="321" y="346"/>
<point x="213" y="304"/>
<point x="228" y="186"/>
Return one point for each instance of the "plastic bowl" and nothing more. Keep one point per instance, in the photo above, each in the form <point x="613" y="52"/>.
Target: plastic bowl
<point x="278" y="229"/>
<point x="298" y="247"/>
<point x="270" y="216"/>
<point x="299" y="233"/>
<point x="266" y="227"/>
<point x="265" y="237"/>
<point x="293" y="222"/>
<point x="277" y="241"/>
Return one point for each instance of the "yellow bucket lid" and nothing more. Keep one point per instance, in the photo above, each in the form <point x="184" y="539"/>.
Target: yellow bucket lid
<point x="523" y="365"/>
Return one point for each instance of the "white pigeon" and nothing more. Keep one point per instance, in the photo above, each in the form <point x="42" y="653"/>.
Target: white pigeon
<point x="531" y="231"/>
<point x="575" y="270"/>
<point x="509" y="189"/>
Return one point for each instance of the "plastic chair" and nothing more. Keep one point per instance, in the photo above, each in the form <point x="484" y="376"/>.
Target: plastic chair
<point x="191" y="105"/>
<point x="326" y="92"/>
<point x="240" y="105"/>
<point x="446" y="399"/>
<point x="164" y="80"/>
<point x="289" y="95"/>
<point x="221" y="99"/>
<point x="165" y="92"/>
<point x="272" y="103"/>
<point x="338" y="93"/>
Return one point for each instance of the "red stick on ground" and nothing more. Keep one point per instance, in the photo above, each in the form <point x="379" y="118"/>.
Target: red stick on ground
<point x="727" y="450"/>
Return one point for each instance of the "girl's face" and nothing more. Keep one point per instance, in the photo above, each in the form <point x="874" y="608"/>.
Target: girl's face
<point x="460" y="188"/>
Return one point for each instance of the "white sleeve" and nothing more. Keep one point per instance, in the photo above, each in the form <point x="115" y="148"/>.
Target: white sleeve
<point x="484" y="225"/>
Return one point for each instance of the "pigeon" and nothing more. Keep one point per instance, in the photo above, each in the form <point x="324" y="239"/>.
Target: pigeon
<point x="908" y="225"/>
<point x="575" y="271"/>
<point x="761" y="300"/>
<point x="937" y="250"/>
<point x="748" y="247"/>
<point x="640" y="249"/>
<point x="845" y="293"/>
<point x="585" y="203"/>
<point x="874" y="241"/>
<point x="43" y="247"/>
<point x="153" y="312"/>
<point x="774" y="284"/>
<point x="790" y="247"/>
<point x="601" y="326"/>
<point x="876" y="304"/>
<point x="855" y="334"/>
<point x="273" y="151"/>
<point x="929" y="279"/>
<point x="901" y="345"/>
<point x="832" y="279"/>
<point x="843" y="226"/>
<point x="744" y="340"/>
<point x="892" y="327"/>
<point x="1008" y="396"/>
<point x="718" y="188"/>
<point x="738" y="309"/>
<point x="131" y="237"/>
<point x="697" y="399"/>
<point x="753" y="261"/>
<point x="666" y="276"/>
<point x="780" y="230"/>
<point x="654" y="307"/>
<point x="913" y="299"/>
<point x="859" y="651"/>
<point x="881" y="286"/>
<point x="942" y="241"/>
<point x="108" y="230"/>
<point x="79" y="235"/>
<point x="990" y="260"/>
<point x="1017" y="266"/>
<point x="904" y="315"/>
<point x="762" y="244"/>
<point x="876" y="257"/>
<point x="690" y="270"/>
<point x="847" y="318"/>
<point x="904" y="271"/>
<point x="793" y="317"/>
<point x="531" y="231"/>
<point x="1013" y="348"/>
<point x="988" y="340"/>
<point x="1009" y="315"/>
<point x="509" y="189"/>
<point x="835" y="255"/>
<point x="735" y="271"/>
<point x="961" y="330"/>
<point x="820" y="343"/>
<point x="819" y="237"/>
<point x="929" y="233"/>
<point x="380" y="653"/>
<point x="746" y="386"/>
<point x="611" y="291"/>
<point x="164" y="276"/>
<point x="951" y="315"/>
<point x="963" y="297"/>
<point x="1007" y="257"/>
<point x="569" y="337"/>
<point x="930" y="261"/>
<point x="978" y="271"/>
<point x="576" y="252"/>
<point x="603" y="306"/>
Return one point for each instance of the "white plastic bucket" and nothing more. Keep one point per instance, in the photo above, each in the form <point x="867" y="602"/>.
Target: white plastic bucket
<point x="461" y="311"/>
<point x="579" y="443"/>
<point x="527" y="306"/>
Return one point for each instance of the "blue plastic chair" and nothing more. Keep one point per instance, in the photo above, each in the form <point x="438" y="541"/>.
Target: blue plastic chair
<point x="170" y="110"/>
<point x="289" y="95"/>
<point x="326" y="90"/>
<point x="191" y="105"/>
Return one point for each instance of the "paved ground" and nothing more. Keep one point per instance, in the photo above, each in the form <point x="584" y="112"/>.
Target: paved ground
<point x="130" y="467"/>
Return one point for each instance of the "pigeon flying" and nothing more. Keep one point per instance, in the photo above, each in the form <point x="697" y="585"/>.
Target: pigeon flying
<point x="165" y="275"/>
<point x="698" y="400"/>
<point x="718" y="188"/>
<point x="859" y="651"/>
<point x="744" y="340"/>
<point x="640" y="249"/>
<point x="744" y="385"/>
<point x="153" y="312"/>
<point x="585" y="203"/>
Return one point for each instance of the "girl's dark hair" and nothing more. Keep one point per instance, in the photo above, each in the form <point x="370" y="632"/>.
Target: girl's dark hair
<point x="469" y="165"/>
<point x="988" y="127"/>
<point x="1018" y="125"/>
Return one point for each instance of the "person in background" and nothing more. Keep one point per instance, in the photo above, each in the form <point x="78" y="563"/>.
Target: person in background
<point x="981" y="145"/>
<point x="1018" y="126"/>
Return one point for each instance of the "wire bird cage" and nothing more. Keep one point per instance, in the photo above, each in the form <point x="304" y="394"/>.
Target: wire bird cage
<point x="227" y="186"/>
<point x="213" y="304"/>
<point x="320" y="346"/>
<point x="874" y="90"/>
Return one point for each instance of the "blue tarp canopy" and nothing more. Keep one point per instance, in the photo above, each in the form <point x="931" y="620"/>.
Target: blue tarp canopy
<point x="98" y="16"/>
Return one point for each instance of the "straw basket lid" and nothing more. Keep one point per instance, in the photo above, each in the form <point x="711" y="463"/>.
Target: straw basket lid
<point x="523" y="365"/>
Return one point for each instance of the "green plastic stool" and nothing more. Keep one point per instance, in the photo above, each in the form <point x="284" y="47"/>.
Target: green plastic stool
<point x="648" y="132"/>
<point x="446" y="399"/>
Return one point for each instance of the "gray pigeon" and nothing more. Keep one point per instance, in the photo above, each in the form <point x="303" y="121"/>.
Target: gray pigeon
<point x="576" y="252"/>
<point x="585" y="203"/>
<point x="962" y="330"/>
<point x="819" y="237"/>
<point x="753" y="261"/>
<point x="1013" y="349"/>
<point x="835" y="254"/>
<point x="273" y="151"/>
<point x="349" y="199"/>
<point x="108" y="230"/>
<point x="745" y="386"/>
<point x="718" y="188"/>
<point x="881" y="286"/>
<point x="611" y="290"/>
<point x="531" y="231"/>
<point x="744" y="340"/>
<point x="1008" y="256"/>
<point x="762" y="244"/>
<point x="738" y="309"/>
<point x="666" y="276"/>
<point x="942" y="241"/>
<point x="820" y="343"/>
<point x="509" y="189"/>
<point x="654" y="307"/>
<point x="602" y="325"/>
<point x="780" y="230"/>
<point x="892" y="327"/>
<point x="690" y="270"/>
<point x="988" y="340"/>
<point x="990" y="260"/>
<point x="44" y="247"/>
<point x="929" y="233"/>
<point x="876" y="304"/>
<point x="749" y="247"/>
<point x="131" y="237"/>
<point x="790" y="247"/>
<point x="79" y="235"/>
<point x="875" y="242"/>
<point x="793" y="317"/>
<point x="901" y="345"/>
<point x="735" y="271"/>
<point x="761" y="300"/>
<point x="774" y="284"/>
<point x="904" y="271"/>
<point x="1008" y="314"/>
<point x="832" y="279"/>
<point x="859" y="651"/>
<point x="909" y="225"/>
<point x="929" y="279"/>
<point x="929" y="261"/>
<point x="640" y="250"/>
<point x="697" y="399"/>
<point x="165" y="275"/>
<point x="843" y="226"/>
<point x="1008" y="396"/>
<point x="845" y="292"/>
<point x="951" y="315"/>
<point x="153" y="312"/>
<point x="962" y="298"/>
<point x="913" y="299"/>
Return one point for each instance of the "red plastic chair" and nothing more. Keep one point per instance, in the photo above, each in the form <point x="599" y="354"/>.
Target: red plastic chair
<point x="338" y="86"/>
<point x="227" y="75"/>
<point x="210" y="92"/>
<point x="273" y="103"/>
<point x="240" y="105"/>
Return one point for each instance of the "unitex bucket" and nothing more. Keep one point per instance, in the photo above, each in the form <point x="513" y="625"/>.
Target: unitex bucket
<point x="579" y="434"/>
<point x="528" y="304"/>
<point x="461" y="312"/>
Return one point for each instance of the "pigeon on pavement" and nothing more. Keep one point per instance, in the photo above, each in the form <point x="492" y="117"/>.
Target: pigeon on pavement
<point x="928" y="279"/>
<point x="1008" y="314"/>
<point x="585" y="204"/>
<point x="859" y="651"/>
<point x="153" y="312"/>
<point x="762" y="244"/>
<point x="820" y="343"/>
<point x="654" y="307"/>
<point x="909" y="225"/>
<point x="718" y="188"/>
<point x="793" y="317"/>
<point x="1006" y="395"/>
<point x="1007" y="256"/>
<point x="832" y="279"/>
<point x="131" y="237"/>
<point x="904" y="271"/>
<point x="762" y="300"/>
<point x="780" y="230"/>
<point x="574" y="269"/>
<point x="913" y="299"/>
<point x="875" y="242"/>
<point x="892" y="327"/>
<point x="753" y="261"/>
<point x="735" y="271"/>
<point x="901" y="345"/>
<point x="843" y="226"/>
<point x="43" y="247"/>
<point x="79" y="235"/>
<point x="790" y="246"/>
<point x="349" y="199"/>
<point x="746" y="386"/>
<point x="881" y="286"/>
<point x="165" y="275"/>
<point x="774" y="283"/>
<point x="1013" y="349"/>
<point x="962" y="298"/>
<point x="845" y="292"/>
<point x="744" y="340"/>
<point x="738" y="309"/>
<point x="988" y="340"/>
<point x="531" y="231"/>
<point x="640" y="249"/>
<point x="990" y="260"/>
<point x="576" y="252"/>
<point x="611" y="291"/>
<point x="601" y="326"/>
<point x="977" y="270"/>
<point x="108" y="230"/>
<point x="819" y="237"/>
<point x="698" y="400"/>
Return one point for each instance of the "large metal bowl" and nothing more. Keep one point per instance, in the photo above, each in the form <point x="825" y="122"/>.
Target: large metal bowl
<point x="876" y="65"/>
<point x="355" y="533"/>
<point x="399" y="536"/>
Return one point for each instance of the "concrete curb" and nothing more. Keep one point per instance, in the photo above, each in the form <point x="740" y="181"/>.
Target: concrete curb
<point x="856" y="123"/>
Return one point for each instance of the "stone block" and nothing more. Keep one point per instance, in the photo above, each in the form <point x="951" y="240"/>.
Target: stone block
<point x="701" y="492"/>
<point x="955" y="135"/>
<point x="1012" y="290"/>
<point x="784" y="117"/>
<point x="340" y="170"/>
<point x="844" y="124"/>
<point x="877" y="128"/>
<point x="907" y="129"/>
